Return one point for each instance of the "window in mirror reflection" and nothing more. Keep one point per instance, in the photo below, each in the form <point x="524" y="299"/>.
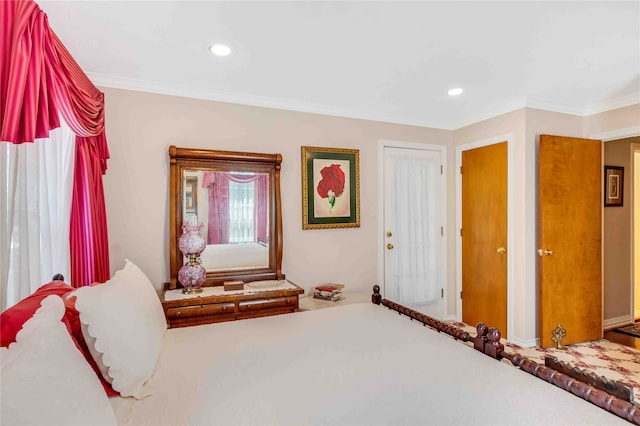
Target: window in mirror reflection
<point x="235" y="218"/>
<point x="241" y="212"/>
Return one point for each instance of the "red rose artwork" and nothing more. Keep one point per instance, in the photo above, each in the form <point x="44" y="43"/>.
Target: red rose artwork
<point x="331" y="185"/>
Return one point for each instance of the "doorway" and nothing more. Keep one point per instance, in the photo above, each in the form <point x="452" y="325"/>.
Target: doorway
<point x="413" y="242"/>
<point x="620" y="295"/>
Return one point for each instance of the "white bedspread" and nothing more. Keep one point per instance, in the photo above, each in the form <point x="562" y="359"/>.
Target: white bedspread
<point x="234" y="256"/>
<point x="356" y="364"/>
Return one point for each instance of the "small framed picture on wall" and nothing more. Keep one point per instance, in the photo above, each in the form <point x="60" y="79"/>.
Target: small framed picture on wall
<point x="613" y="186"/>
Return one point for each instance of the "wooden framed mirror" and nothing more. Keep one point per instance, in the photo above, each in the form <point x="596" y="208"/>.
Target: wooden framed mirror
<point x="236" y="196"/>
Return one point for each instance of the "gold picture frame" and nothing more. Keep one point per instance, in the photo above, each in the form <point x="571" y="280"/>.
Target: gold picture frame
<point x="191" y="194"/>
<point x="330" y="188"/>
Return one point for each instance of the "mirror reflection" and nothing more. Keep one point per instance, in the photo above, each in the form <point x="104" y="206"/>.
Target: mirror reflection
<point x="234" y="210"/>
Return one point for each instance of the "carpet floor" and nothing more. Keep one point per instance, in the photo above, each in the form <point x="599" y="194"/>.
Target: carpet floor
<point x="602" y="357"/>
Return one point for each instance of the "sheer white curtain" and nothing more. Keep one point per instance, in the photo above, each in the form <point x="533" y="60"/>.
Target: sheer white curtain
<point x="36" y="186"/>
<point x="241" y="212"/>
<point x="416" y="269"/>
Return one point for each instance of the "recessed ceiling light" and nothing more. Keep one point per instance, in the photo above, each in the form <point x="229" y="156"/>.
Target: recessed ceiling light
<point x="219" y="49"/>
<point x="455" y="92"/>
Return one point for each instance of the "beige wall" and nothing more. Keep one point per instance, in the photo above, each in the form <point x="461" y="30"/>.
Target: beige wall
<point x="612" y="125"/>
<point x="525" y="127"/>
<point x="614" y="120"/>
<point x="140" y="128"/>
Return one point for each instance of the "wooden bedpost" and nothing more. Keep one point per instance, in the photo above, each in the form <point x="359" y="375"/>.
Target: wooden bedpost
<point x="494" y="348"/>
<point x="376" y="297"/>
<point x="480" y="340"/>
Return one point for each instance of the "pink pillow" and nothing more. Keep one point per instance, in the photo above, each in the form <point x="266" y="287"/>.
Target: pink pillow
<point x="12" y="320"/>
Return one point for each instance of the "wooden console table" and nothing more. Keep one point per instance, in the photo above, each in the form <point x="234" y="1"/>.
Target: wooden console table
<point x="216" y="305"/>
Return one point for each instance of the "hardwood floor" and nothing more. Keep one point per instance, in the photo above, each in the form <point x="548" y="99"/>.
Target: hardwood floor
<point x="622" y="339"/>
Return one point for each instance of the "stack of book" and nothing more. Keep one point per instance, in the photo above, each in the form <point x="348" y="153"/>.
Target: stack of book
<point x="331" y="292"/>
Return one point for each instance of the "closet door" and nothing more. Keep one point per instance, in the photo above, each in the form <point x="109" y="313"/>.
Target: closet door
<point x="484" y="236"/>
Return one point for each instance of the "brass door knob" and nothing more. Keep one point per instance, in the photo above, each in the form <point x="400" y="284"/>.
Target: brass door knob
<point x="390" y="246"/>
<point x="542" y="252"/>
<point x="501" y="250"/>
<point x="389" y="234"/>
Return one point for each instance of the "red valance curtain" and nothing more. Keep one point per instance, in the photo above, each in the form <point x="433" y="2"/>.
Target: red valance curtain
<point x="39" y="82"/>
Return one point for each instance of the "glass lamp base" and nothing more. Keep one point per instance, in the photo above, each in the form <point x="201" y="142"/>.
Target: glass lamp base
<point x="192" y="277"/>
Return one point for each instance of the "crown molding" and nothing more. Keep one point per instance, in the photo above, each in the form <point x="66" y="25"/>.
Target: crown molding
<point x="547" y="105"/>
<point x="125" y="83"/>
<point x="613" y="135"/>
<point x="502" y="108"/>
<point x="136" y="85"/>
<point x="612" y="104"/>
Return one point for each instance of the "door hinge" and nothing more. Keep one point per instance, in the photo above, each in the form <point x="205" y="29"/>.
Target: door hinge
<point x="442" y="231"/>
<point x="460" y="294"/>
<point x="442" y="293"/>
<point x="461" y="232"/>
<point x="441" y="169"/>
<point x="460" y="169"/>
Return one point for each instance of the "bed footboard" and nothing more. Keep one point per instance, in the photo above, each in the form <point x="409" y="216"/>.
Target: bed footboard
<point x="611" y="396"/>
<point x="598" y="397"/>
<point x="480" y="341"/>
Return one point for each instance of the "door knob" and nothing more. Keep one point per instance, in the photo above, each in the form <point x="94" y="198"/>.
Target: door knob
<point x="501" y="250"/>
<point x="390" y="246"/>
<point x="389" y="233"/>
<point x="542" y="252"/>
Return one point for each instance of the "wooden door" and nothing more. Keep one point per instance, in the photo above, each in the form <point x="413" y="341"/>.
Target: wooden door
<point x="570" y="266"/>
<point x="484" y="236"/>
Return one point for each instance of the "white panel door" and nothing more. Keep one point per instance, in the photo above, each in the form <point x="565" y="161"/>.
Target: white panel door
<point x="414" y="245"/>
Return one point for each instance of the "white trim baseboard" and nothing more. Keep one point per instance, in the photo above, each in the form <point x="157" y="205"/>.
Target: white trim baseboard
<point x="617" y="322"/>
<point x="525" y="343"/>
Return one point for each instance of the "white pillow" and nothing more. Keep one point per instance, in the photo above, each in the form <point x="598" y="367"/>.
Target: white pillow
<point x="123" y="324"/>
<point x="45" y="378"/>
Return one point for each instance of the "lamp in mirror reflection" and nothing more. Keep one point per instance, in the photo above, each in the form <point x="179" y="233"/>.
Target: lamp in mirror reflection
<point x="191" y="243"/>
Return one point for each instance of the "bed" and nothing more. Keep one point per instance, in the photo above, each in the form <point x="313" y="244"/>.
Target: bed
<point x="216" y="257"/>
<point x="357" y="364"/>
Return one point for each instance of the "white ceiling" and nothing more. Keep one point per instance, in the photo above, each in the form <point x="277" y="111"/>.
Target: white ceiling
<point x="388" y="61"/>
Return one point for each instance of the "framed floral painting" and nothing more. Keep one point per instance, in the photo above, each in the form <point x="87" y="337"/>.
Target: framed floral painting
<point x="330" y="188"/>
